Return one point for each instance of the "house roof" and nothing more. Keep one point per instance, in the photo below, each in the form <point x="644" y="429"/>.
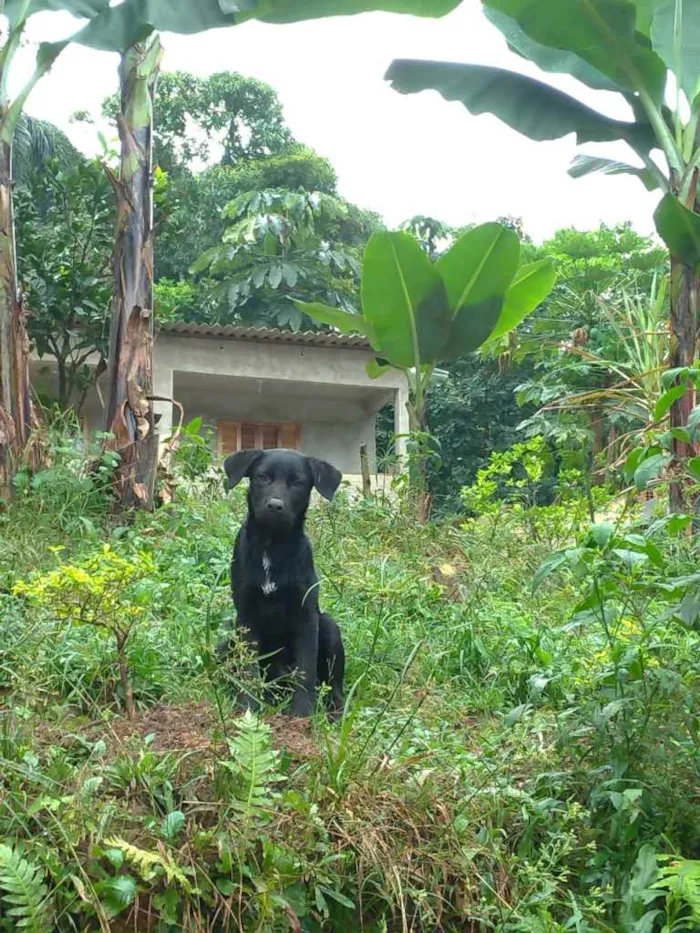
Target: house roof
<point x="266" y="335"/>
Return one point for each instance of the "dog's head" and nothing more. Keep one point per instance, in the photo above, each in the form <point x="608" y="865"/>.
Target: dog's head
<point x="280" y="483"/>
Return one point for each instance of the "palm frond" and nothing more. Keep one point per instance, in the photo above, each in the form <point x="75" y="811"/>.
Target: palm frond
<point x="35" y="141"/>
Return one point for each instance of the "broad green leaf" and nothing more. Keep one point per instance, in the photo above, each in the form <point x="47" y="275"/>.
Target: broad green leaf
<point x="666" y="401"/>
<point x="635" y="458"/>
<point x="531" y="285"/>
<point x="477" y="271"/>
<point x="376" y="368"/>
<point x="531" y="107"/>
<point x="679" y="49"/>
<point x="602" y="532"/>
<point x="226" y="886"/>
<point x="680" y="434"/>
<point x="649" y="469"/>
<point x="117" y="893"/>
<point x="679" y="228"/>
<point x="15" y="9"/>
<point x="46" y="55"/>
<point x="339" y="898"/>
<point x="552" y="563"/>
<point x="205" y="260"/>
<point x="601" y="32"/>
<point x="343" y="321"/>
<point x="587" y="165"/>
<point x="516" y="714"/>
<point x="119" y="27"/>
<point x="291" y="11"/>
<point x="631" y="558"/>
<point x="694" y="423"/>
<point x="694" y="466"/>
<point x="274" y="277"/>
<point x="644" y="15"/>
<point x="172" y="825"/>
<point x="404" y="300"/>
<point x="479" y="265"/>
<point x="546" y="58"/>
<point x="679" y="374"/>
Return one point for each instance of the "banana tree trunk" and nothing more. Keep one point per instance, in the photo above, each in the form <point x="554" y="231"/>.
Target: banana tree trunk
<point x="129" y="415"/>
<point x="685" y="291"/>
<point x="15" y="401"/>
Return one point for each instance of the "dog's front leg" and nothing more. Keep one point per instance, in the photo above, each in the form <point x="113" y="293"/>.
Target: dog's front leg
<point x="306" y="663"/>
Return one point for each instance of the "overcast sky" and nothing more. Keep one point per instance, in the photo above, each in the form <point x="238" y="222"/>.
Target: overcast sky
<point x="397" y="155"/>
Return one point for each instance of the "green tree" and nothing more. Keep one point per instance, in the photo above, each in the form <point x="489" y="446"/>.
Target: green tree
<point x="65" y="234"/>
<point x="472" y="414"/>
<point x="37" y="141"/>
<point x="222" y="119"/>
<point x="16" y="414"/>
<point x="433" y="235"/>
<point x="632" y="48"/>
<point x="600" y="340"/>
<point x="282" y="246"/>
<point x="192" y="217"/>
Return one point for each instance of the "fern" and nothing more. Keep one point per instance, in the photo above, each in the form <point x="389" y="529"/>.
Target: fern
<point x="150" y="864"/>
<point x="255" y="765"/>
<point x="681" y="878"/>
<point x="26" y="893"/>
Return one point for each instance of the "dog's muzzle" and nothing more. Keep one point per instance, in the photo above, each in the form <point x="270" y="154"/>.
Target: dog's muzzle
<point x="273" y="513"/>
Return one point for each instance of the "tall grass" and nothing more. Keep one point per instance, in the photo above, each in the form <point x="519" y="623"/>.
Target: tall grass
<point x="502" y="764"/>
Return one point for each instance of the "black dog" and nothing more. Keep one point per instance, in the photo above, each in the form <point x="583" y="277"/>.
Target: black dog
<point x="273" y="580"/>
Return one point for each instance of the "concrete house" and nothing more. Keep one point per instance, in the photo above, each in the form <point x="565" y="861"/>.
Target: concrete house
<point x="260" y="387"/>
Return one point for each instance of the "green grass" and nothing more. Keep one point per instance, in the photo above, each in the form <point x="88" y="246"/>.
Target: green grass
<point x="509" y="760"/>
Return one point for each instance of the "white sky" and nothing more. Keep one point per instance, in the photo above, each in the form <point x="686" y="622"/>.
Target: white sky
<point x="398" y="155"/>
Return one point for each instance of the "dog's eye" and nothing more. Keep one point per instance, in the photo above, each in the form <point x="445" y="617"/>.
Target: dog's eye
<point x="263" y="477"/>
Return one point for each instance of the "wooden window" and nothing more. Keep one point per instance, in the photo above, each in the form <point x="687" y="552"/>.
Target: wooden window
<point x="270" y="436"/>
<point x="246" y="435"/>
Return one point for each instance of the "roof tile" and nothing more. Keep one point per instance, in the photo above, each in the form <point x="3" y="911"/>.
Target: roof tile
<point x="266" y="335"/>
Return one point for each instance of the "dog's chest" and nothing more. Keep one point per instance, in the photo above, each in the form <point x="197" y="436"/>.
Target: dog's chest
<point x="268" y="585"/>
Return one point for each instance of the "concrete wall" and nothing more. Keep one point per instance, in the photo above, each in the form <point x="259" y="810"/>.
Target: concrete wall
<point x="325" y="390"/>
<point x="340" y="443"/>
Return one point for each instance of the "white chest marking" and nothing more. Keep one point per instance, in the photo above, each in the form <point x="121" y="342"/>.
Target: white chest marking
<point x="269" y="586"/>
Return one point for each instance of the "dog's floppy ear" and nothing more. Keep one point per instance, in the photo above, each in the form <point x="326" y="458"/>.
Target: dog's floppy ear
<point x="326" y="477"/>
<point x="238" y="465"/>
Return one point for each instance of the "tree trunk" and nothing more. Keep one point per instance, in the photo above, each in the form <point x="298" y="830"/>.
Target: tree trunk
<point x="63" y="391"/>
<point x="129" y="416"/>
<point x="418" y="455"/>
<point x="598" y="428"/>
<point x="685" y="289"/>
<point x="364" y="469"/>
<point x="15" y="401"/>
<point x="125" y="678"/>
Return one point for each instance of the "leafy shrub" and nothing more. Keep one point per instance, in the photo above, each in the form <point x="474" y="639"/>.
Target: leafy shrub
<point x="105" y="591"/>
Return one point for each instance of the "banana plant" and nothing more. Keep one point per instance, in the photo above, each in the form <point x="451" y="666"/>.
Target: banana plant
<point x="16" y="415"/>
<point x="119" y="27"/>
<point x="129" y="417"/>
<point x="647" y="52"/>
<point x="417" y="314"/>
<point x="131" y="28"/>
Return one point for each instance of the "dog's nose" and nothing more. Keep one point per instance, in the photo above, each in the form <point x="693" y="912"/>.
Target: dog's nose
<point x="275" y="505"/>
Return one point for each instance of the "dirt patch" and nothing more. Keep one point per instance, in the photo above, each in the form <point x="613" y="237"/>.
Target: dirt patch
<point x="180" y="729"/>
<point x="189" y="727"/>
<point x="294" y="735"/>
